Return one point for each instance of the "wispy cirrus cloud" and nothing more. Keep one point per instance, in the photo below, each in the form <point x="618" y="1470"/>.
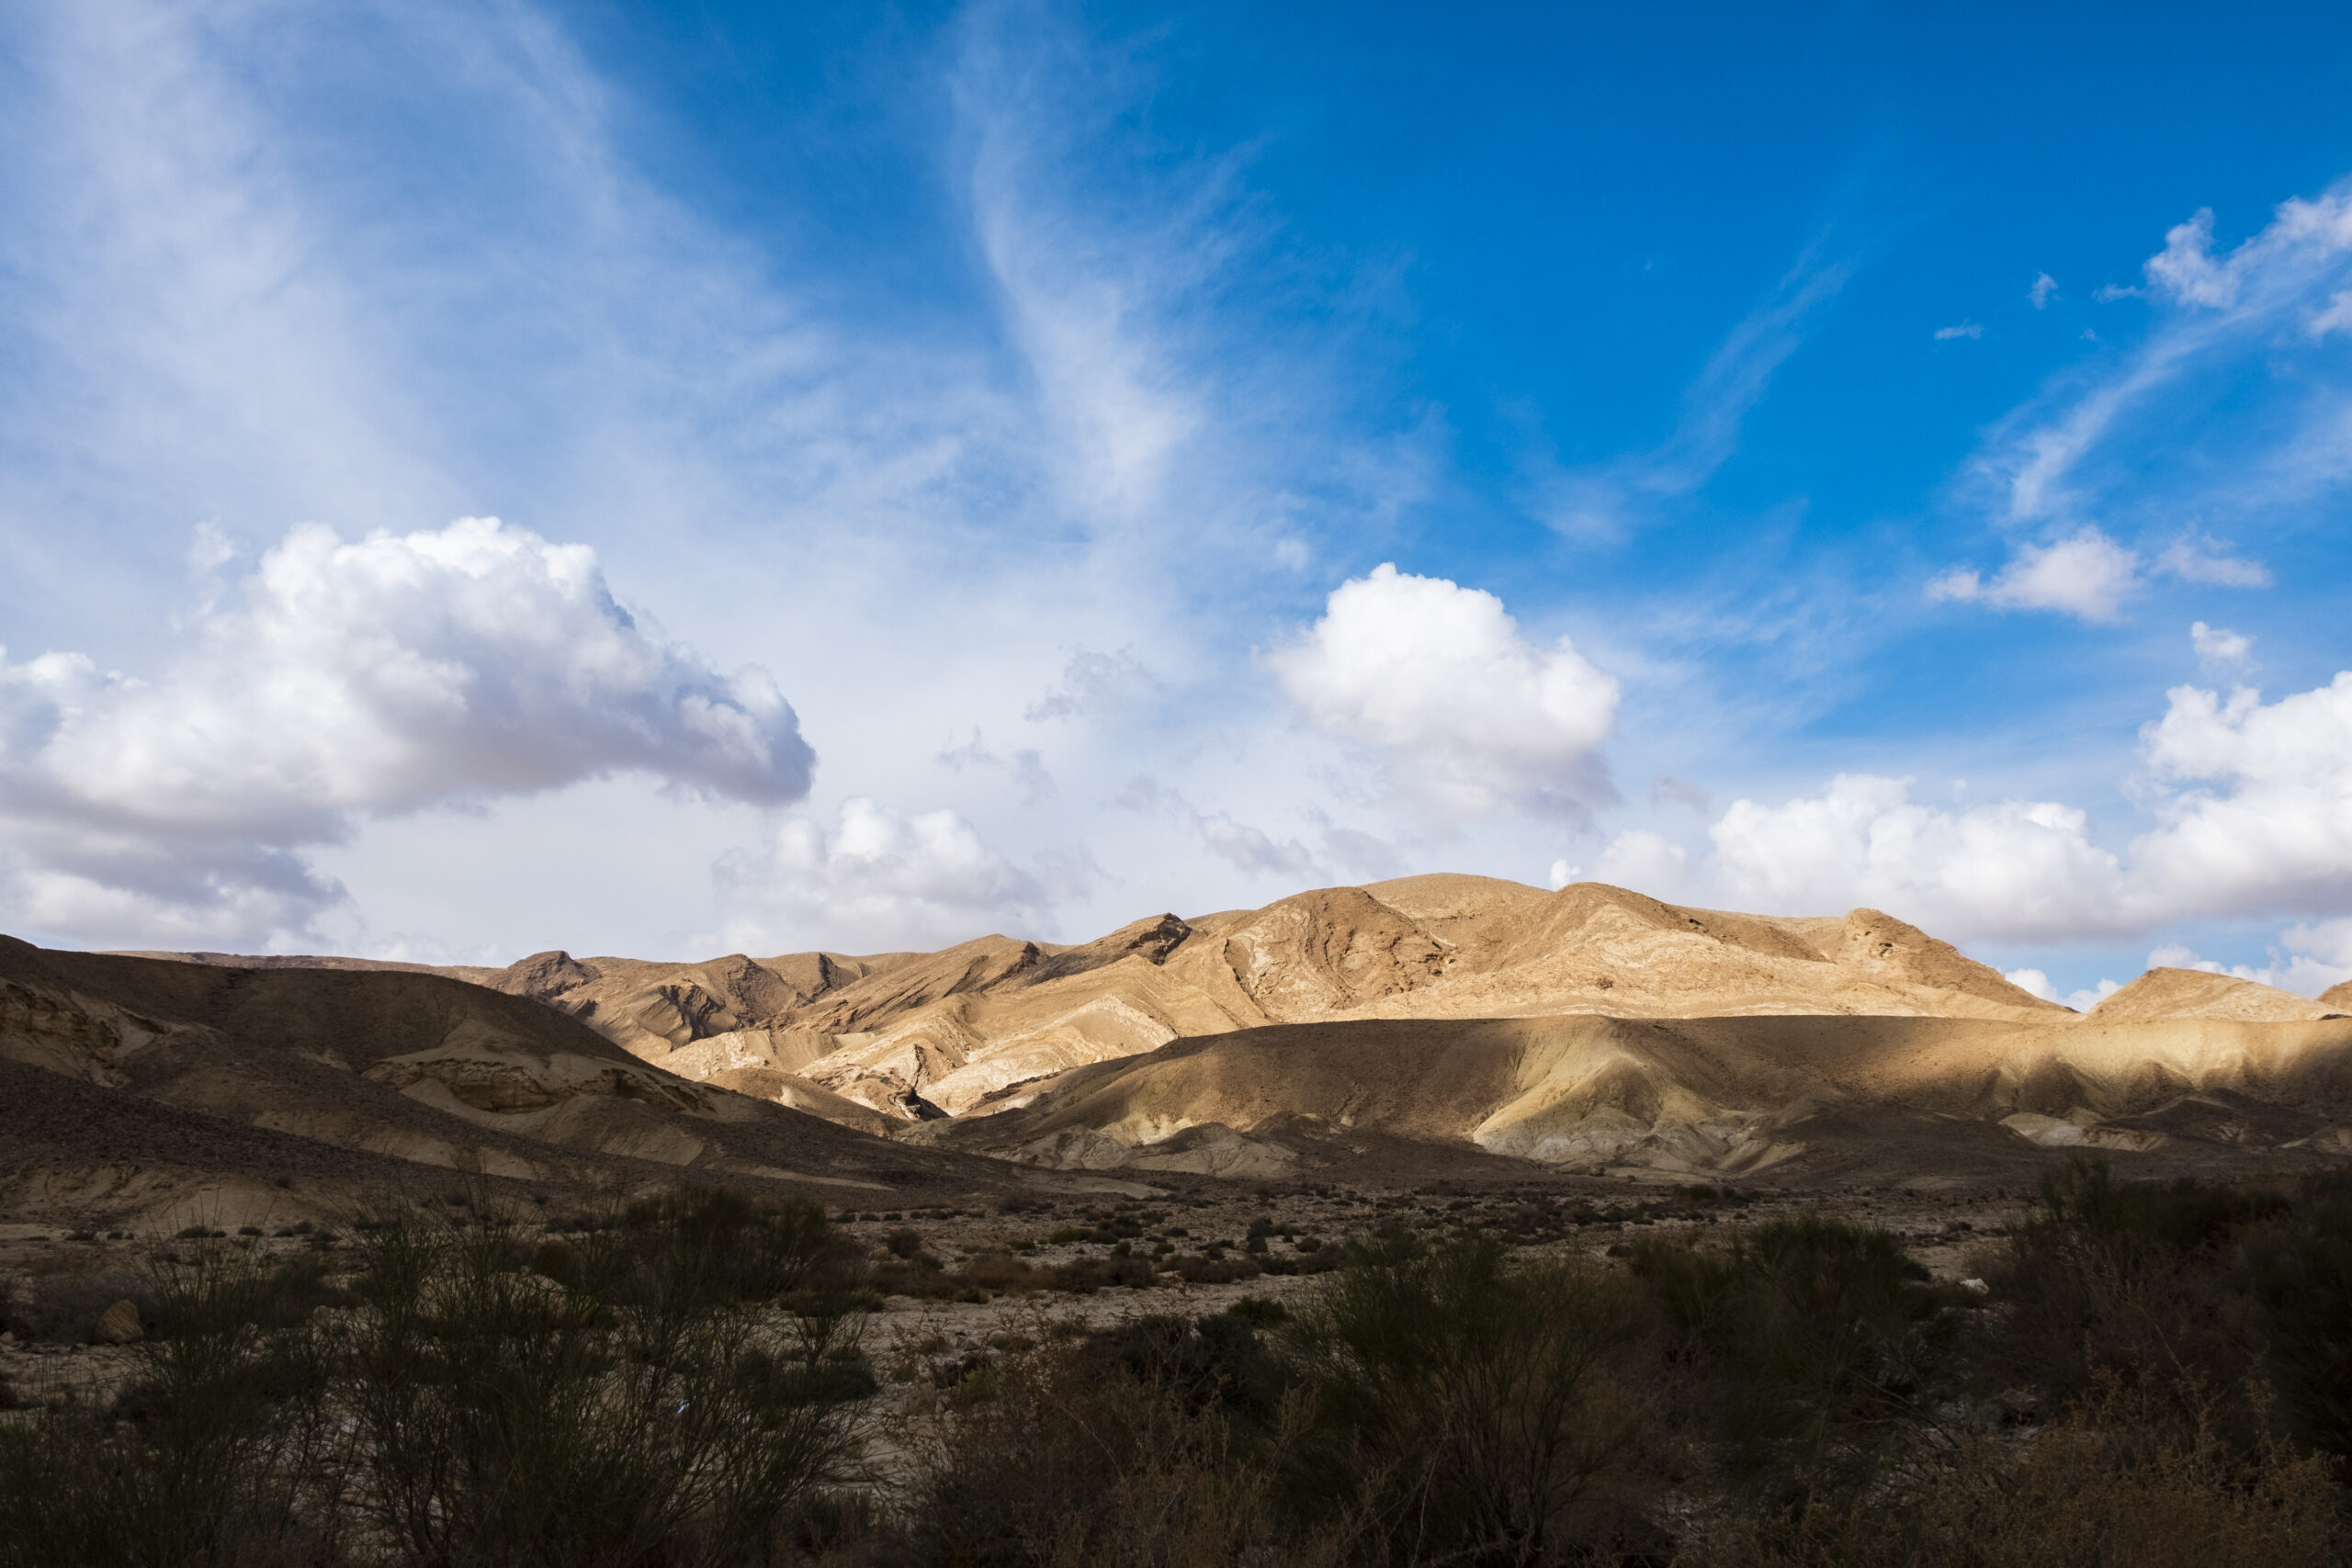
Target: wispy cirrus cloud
<point x="227" y="304"/>
<point x="1600" y="503"/>
<point x="2088" y="575"/>
<point x="2114" y="456"/>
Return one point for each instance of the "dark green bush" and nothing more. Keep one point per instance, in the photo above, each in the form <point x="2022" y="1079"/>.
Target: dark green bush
<point x="1821" y="1343"/>
<point x="2138" y="1280"/>
<point x="217" y="1454"/>
<point x="2300" y="1274"/>
<point x="504" y="1418"/>
<point x="1467" y="1408"/>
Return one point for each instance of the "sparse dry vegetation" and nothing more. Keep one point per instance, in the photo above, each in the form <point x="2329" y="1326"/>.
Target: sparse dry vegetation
<point x="2154" y="1376"/>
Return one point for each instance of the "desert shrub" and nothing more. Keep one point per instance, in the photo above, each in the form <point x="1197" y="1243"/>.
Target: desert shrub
<point x="504" y="1418"/>
<point x="1217" y="1360"/>
<point x="217" y="1453"/>
<point x="2136" y="1281"/>
<point x="64" y="1306"/>
<point x="2137" y="1220"/>
<point x="1465" y="1408"/>
<point x="706" y="1251"/>
<point x="1083" y="1276"/>
<point x="2300" y="1275"/>
<point x="1821" y="1346"/>
<point x="1197" y="1269"/>
<point x="1084" y="1454"/>
<point x="2132" y="1478"/>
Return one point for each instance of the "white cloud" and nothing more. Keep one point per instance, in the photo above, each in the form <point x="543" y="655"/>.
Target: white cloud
<point x="2215" y="645"/>
<point x="2109" y="444"/>
<point x="2279" y="835"/>
<point x="2084" y="1000"/>
<point x="2014" y="869"/>
<point x="1965" y="329"/>
<point x="2201" y="560"/>
<point x="2033" y="982"/>
<point x="2254" y="809"/>
<point x="2185" y="269"/>
<point x="1645" y="861"/>
<point x="349" y="681"/>
<point x="877" y="879"/>
<point x="1113" y="687"/>
<point x="1467" y="715"/>
<point x="2086" y="574"/>
<point x="2044" y="286"/>
<point x="1563" y="873"/>
<point x="2296" y="968"/>
<point x="2335" y="317"/>
<point x="2089" y="575"/>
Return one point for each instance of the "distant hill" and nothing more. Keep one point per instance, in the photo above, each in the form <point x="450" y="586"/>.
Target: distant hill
<point x="1379" y="1027"/>
<point x="152" y="1086"/>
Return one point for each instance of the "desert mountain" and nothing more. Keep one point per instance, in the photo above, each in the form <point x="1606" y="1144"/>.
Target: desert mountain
<point x="2194" y="993"/>
<point x="139" y="1086"/>
<point x="1591" y="1028"/>
<point x="916" y="1035"/>
<point x="1867" y="1097"/>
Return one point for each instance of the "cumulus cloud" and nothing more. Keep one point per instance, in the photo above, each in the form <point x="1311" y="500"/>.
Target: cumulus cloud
<point x="876" y="878"/>
<point x="2086" y="574"/>
<point x="2306" y="960"/>
<point x="2254" y="809"/>
<point x="2018" y="869"/>
<point x="2033" y="981"/>
<point x="349" y="681"/>
<point x="1466" y="716"/>
<point x="1645" y="861"/>
<point x="1965" y="329"/>
<point x="2262" y="815"/>
<point x="2044" y="286"/>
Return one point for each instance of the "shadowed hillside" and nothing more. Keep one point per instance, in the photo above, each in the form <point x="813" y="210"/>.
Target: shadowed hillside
<point x="146" y="1086"/>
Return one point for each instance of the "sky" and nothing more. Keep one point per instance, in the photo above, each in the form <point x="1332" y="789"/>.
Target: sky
<point x="672" y="478"/>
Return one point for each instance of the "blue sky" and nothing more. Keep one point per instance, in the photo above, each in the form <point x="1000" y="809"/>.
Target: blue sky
<point x="946" y="457"/>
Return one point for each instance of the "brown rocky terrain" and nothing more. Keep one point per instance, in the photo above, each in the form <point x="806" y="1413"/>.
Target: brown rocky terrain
<point x="143" y="1088"/>
<point x="912" y="1035"/>
<point x="1430" y="1024"/>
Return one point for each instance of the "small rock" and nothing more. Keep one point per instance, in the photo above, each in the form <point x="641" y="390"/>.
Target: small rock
<point x="1978" y="1286"/>
<point x="118" y="1324"/>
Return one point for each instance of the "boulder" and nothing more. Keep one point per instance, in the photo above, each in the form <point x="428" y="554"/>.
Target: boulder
<point x="118" y="1324"/>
